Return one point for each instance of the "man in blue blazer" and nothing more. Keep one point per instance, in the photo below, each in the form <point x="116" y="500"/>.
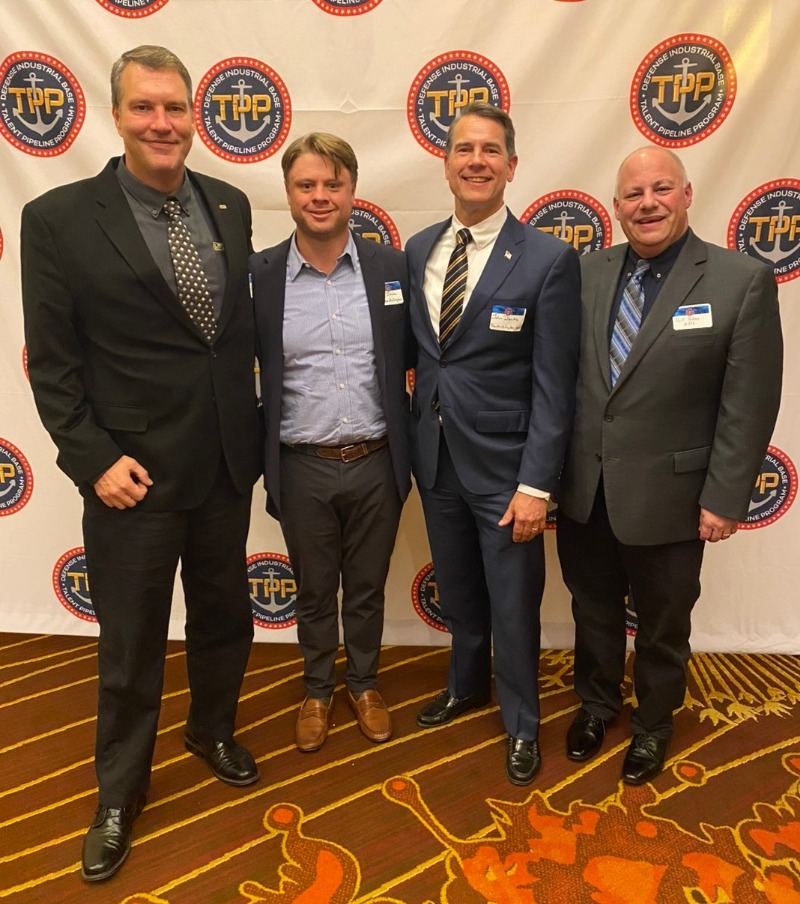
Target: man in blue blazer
<point x="331" y="319"/>
<point x="668" y="440"/>
<point x="495" y="310"/>
<point x="155" y="421"/>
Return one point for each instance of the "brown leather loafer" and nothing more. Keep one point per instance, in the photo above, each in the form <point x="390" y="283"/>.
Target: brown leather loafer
<point x="372" y="715"/>
<point x="312" y="724"/>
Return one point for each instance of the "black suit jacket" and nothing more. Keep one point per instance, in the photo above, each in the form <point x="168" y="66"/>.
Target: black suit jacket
<point x="390" y="334"/>
<point x="116" y="365"/>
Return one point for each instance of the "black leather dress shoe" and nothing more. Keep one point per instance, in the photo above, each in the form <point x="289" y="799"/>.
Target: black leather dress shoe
<point x="444" y="708"/>
<point x="108" y="841"/>
<point x="644" y="759"/>
<point x="522" y="761"/>
<point x="585" y="736"/>
<point x="229" y="761"/>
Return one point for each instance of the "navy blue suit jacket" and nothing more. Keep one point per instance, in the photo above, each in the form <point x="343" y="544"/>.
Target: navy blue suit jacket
<point x="506" y="397"/>
<point x="379" y="265"/>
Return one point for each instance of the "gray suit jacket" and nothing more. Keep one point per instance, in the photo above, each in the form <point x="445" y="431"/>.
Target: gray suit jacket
<point x="690" y="417"/>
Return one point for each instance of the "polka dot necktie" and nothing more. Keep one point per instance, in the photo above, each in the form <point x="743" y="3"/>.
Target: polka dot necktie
<point x="629" y="319"/>
<point x="192" y="284"/>
<point x="454" y="288"/>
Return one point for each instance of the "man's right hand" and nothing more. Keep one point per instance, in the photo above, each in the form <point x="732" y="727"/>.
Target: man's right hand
<point x="124" y="484"/>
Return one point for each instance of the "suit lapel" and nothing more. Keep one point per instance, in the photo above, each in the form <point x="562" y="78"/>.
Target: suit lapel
<point x="502" y="260"/>
<point x="605" y="290"/>
<point x="683" y="276"/>
<point x="418" y="264"/>
<point x="372" y="274"/>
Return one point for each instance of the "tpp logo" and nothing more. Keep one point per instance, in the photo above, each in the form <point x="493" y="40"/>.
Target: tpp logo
<point x="133" y="9"/>
<point x="273" y="590"/>
<point x="683" y="90"/>
<point x="71" y="584"/>
<point x="425" y="598"/>
<point x="766" y="225"/>
<point x="572" y="216"/>
<point x="41" y="104"/>
<point x="16" y="479"/>
<point x="774" y="491"/>
<point x="444" y="86"/>
<point x="242" y="110"/>
<point x="347" y="7"/>
<point x="374" y="224"/>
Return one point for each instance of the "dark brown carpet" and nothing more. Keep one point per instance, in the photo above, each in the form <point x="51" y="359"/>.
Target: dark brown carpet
<point x="426" y="817"/>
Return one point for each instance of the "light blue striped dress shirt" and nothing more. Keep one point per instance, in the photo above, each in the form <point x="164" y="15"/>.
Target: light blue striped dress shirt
<point x="330" y="384"/>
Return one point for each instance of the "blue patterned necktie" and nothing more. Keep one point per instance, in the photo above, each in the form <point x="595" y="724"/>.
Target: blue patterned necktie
<point x="629" y="319"/>
<point x="454" y="288"/>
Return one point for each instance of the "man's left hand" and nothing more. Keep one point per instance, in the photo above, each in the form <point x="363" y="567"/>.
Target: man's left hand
<point x="715" y="527"/>
<point x="529" y="514"/>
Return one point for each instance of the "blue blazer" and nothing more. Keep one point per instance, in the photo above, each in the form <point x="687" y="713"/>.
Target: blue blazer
<point x="506" y="397"/>
<point x="379" y="265"/>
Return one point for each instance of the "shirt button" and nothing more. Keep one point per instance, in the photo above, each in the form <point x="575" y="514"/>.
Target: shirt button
<point x="338" y="351"/>
<point x="345" y="420"/>
<point x="341" y="386"/>
<point x="333" y="316"/>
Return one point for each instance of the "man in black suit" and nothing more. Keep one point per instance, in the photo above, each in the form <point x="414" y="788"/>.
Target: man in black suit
<point x="331" y="318"/>
<point x="680" y="382"/>
<point x="145" y="385"/>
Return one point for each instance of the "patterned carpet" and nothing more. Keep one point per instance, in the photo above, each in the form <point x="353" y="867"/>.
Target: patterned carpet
<point x="426" y="817"/>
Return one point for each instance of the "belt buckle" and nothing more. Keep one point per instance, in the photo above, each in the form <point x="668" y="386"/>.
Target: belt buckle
<point x="353" y="452"/>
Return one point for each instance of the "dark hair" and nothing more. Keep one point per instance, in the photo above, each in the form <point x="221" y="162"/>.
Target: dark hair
<point x="486" y="111"/>
<point x="152" y="57"/>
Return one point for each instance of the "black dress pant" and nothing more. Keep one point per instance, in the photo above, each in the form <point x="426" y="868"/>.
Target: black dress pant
<point x="131" y="559"/>
<point x="339" y="521"/>
<point x="665" y="582"/>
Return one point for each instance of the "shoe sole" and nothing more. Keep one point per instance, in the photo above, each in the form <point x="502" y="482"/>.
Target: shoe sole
<point x="236" y="783"/>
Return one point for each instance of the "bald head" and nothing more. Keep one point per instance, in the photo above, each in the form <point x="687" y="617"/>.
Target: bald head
<point x="651" y="200"/>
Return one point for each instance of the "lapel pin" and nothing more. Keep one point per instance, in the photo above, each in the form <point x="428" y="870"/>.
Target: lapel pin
<point x="508" y="255"/>
<point x="223" y="206"/>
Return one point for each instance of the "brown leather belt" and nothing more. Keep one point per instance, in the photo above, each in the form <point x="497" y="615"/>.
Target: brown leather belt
<point x="348" y="453"/>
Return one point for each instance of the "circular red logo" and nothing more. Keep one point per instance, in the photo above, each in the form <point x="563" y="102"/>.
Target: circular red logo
<point x="774" y="491"/>
<point x="71" y="584"/>
<point x="347" y="7"/>
<point x="41" y="104"/>
<point x="373" y="223"/>
<point x="242" y="110"/>
<point x="766" y="225"/>
<point x="444" y="86"/>
<point x="573" y="216"/>
<point x="273" y="590"/>
<point x="683" y="90"/>
<point x="133" y="9"/>
<point x="16" y="479"/>
<point x="425" y="598"/>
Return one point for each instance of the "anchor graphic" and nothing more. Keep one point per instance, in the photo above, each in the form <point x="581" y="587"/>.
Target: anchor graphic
<point x="459" y="100"/>
<point x="762" y="502"/>
<point x="682" y="114"/>
<point x="36" y="98"/>
<point x="242" y="134"/>
<point x="272" y="606"/>
<point x="11" y="486"/>
<point x="774" y="253"/>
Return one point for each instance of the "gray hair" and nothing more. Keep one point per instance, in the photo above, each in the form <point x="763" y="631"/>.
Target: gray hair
<point x="152" y="57"/>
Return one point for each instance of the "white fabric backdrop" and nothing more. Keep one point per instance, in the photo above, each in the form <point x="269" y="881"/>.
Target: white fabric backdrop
<point x="565" y="68"/>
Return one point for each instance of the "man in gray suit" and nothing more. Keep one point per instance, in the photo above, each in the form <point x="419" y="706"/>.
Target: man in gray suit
<point x="679" y="389"/>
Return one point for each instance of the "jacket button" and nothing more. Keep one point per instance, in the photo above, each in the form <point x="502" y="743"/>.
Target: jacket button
<point x="598" y="456"/>
<point x="608" y="418"/>
<point x="442" y="363"/>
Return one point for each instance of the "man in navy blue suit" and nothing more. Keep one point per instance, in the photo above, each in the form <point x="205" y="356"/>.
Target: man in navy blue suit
<point x="495" y="310"/>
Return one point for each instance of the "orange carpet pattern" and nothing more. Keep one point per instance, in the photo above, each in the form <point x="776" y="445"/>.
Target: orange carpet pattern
<point x="428" y="817"/>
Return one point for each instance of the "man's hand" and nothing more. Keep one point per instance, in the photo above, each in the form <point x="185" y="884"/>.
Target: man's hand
<point x="715" y="527"/>
<point x="124" y="484"/>
<point x="529" y="514"/>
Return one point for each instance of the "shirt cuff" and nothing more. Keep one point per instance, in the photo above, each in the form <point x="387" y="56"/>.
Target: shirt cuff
<point x="532" y="491"/>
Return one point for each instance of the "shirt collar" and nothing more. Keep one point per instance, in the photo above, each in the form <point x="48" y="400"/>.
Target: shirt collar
<point x="295" y="262"/>
<point x="485" y="232"/>
<point x="150" y="198"/>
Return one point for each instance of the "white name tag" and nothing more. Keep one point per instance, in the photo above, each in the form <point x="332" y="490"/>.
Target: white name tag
<point x="393" y="294"/>
<point x="509" y="320"/>
<point x="692" y="317"/>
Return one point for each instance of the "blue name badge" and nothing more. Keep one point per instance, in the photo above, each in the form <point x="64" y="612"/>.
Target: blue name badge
<point x="507" y="320"/>
<point x="692" y="317"/>
<point x="393" y="294"/>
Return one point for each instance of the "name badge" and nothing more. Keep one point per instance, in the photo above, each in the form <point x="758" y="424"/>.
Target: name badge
<point x="509" y="320"/>
<point x="692" y="317"/>
<point x="393" y="294"/>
